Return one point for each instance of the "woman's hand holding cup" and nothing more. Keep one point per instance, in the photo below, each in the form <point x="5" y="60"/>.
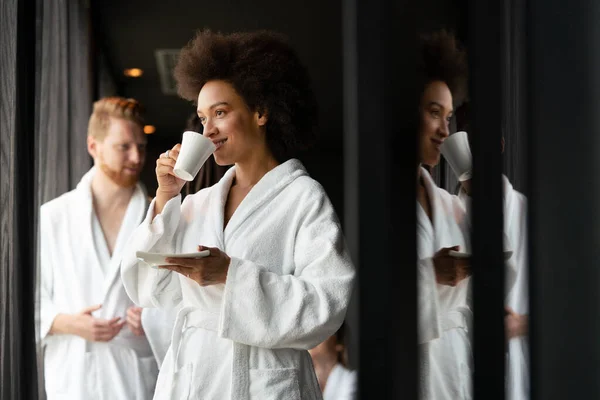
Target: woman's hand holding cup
<point x="180" y="164"/>
<point x="169" y="185"/>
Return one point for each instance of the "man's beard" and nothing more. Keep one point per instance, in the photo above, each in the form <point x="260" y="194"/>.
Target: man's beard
<point x="119" y="177"/>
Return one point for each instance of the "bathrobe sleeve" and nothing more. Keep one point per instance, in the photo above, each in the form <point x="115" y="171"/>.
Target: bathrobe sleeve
<point x="300" y="310"/>
<point x="146" y="286"/>
<point x="48" y="310"/>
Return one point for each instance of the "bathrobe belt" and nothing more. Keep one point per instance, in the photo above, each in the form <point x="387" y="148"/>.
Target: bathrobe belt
<point x="457" y="318"/>
<point x="190" y="317"/>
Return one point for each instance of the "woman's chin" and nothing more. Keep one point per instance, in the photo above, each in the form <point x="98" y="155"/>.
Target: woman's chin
<point x="222" y="161"/>
<point x="431" y="161"/>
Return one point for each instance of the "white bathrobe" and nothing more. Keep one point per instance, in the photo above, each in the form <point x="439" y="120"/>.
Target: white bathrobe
<point x="444" y="312"/>
<point x="287" y="290"/>
<point x="341" y="384"/>
<point x="158" y="327"/>
<point x="515" y="228"/>
<point x="517" y="297"/>
<point x="74" y="277"/>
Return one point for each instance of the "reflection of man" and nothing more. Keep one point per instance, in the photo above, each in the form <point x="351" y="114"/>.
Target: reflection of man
<point x="95" y="347"/>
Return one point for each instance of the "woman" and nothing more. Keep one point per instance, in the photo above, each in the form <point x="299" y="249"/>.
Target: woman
<point x="444" y="305"/>
<point x="330" y="359"/>
<point x="278" y="279"/>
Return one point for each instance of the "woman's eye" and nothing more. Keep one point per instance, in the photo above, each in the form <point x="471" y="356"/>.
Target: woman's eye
<point x="202" y="120"/>
<point x="219" y="113"/>
<point x="435" y="113"/>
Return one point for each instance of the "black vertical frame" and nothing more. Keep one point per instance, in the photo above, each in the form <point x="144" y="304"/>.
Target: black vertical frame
<point x="564" y="166"/>
<point x="380" y="172"/>
<point x="487" y="48"/>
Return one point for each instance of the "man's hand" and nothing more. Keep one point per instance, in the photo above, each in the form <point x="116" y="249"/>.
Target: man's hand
<point x="88" y="327"/>
<point x="96" y="329"/>
<point x="134" y="320"/>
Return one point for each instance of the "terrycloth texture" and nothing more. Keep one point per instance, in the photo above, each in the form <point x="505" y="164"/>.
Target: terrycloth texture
<point x="444" y="311"/>
<point x="72" y="279"/>
<point x="287" y="290"/>
<point x="341" y="384"/>
<point x="517" y="293"/>
<point x="158" y="327"/>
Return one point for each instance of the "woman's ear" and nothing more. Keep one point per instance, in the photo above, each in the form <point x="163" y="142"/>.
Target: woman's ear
<point x="261" y="117"/>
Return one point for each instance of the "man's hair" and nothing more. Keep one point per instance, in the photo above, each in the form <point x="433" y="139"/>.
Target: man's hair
<point x="266" y="72"/>
<point x="113" y="107"/>
<point x="443" y="59"/>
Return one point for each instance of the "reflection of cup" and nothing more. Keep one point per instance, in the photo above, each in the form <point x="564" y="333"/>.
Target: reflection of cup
<point x="457" y="152"/>
<point x="195" y="150"/>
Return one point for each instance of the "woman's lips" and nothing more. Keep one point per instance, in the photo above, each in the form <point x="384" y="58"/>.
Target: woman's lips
<point x="437" y="143"/>
<point x="219" y="143"/>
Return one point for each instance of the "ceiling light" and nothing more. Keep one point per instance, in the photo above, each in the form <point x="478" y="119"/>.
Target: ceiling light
<point x="133" y="72"/>
<point x="149" y="129"/>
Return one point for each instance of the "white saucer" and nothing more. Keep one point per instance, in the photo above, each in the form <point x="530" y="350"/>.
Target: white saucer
<point x="156" y="259"/>
<point x="460" y="254"/>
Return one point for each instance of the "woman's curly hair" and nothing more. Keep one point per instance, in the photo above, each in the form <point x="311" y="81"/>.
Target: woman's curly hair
<point x="266" y="72"/>
<point x="443" y="59"/>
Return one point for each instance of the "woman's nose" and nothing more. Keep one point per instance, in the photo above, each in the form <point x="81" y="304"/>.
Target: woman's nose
<point x="444" y="130"/>
<point x="209" y="129"/>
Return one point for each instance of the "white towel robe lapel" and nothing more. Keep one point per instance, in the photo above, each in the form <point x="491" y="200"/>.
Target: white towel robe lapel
<point x="515" y="240"/>
<point x="444" y="311"/>
<point x="288" y="286"/>
<point x="72" y="279"/>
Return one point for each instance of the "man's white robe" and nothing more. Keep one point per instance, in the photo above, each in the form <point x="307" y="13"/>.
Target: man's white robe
<point x="73" y="277"/>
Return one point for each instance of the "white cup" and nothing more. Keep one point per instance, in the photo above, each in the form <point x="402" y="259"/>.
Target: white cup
<point x="457" y="152"/>
<point x="195" y="150"/>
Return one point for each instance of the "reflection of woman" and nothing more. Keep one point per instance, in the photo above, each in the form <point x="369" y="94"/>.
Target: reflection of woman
<point x="278" y="279"/>
<point x="331" y="366"/>
<point x="444" y="311"/>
